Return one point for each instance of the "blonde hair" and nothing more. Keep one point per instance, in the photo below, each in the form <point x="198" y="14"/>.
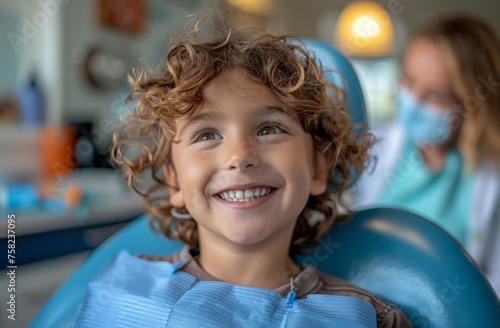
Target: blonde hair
<point x="474" y="50"/>
<point x="142" y="143"/>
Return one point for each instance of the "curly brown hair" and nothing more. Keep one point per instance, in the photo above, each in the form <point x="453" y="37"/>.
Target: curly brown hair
<point x="141" y="145"/>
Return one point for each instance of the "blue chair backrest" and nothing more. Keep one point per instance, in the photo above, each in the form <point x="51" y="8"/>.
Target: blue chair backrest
<point x="397" y="255"/>
<point x="412" y="263"/>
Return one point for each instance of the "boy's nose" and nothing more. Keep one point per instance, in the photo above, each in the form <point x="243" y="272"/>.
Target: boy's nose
<point x="240" y="156"/>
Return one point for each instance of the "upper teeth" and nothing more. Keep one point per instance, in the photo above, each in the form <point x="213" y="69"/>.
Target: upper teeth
<point x="244" y="195"/>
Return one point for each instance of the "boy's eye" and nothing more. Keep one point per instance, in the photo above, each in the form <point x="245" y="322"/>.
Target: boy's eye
<point x="209" y="135"/>
<point x="270" y="129"/>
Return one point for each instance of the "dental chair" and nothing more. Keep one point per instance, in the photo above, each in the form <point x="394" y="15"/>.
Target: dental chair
<point x="399" y="256"/>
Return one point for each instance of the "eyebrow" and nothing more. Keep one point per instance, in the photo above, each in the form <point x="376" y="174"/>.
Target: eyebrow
<point x="201" y="117"/>
<point x="277" y="110"/>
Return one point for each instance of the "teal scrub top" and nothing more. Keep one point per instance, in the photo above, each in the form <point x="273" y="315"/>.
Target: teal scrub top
<point x="443" y="197"/>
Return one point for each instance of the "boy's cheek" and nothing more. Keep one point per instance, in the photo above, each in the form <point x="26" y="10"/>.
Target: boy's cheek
<point x="196" y="205"/>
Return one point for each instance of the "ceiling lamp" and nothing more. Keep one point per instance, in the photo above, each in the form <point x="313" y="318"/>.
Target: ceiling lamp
<point x="257" y="7"/>
<point x="364" y="29"/>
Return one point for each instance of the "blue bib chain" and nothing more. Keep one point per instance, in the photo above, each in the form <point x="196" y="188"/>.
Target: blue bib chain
<point x="176" y="266"/>
<point x="290" y="298"/>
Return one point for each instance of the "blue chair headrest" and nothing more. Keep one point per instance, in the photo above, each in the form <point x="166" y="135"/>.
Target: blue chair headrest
<point x="339" y="71"/>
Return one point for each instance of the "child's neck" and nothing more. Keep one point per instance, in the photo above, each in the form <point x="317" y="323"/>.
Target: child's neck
<point x="265" y="266"/>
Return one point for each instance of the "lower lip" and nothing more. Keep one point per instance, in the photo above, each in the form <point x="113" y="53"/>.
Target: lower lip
<point x="246" y="205"/>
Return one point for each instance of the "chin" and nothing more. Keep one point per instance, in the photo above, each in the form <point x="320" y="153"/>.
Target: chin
<point x="247" y="237"/>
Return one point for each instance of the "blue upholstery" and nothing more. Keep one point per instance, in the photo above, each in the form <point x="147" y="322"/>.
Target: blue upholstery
<point x="339" y="71"/>
<point x="412" y="263"/>
<point x="397" y="255"/>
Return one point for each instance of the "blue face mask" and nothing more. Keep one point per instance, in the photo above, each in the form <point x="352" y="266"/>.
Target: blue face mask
<point x="422" y="123"/>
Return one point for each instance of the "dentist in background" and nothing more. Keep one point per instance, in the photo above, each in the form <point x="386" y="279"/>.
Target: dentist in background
<point x="441" y="156"/>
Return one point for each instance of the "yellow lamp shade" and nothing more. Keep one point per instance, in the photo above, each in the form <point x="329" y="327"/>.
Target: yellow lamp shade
<point x="258" y="7"/>
<point x="364" y="29"/>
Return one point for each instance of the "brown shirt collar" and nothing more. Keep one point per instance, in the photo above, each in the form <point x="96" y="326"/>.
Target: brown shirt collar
<point x="307" y="281"/>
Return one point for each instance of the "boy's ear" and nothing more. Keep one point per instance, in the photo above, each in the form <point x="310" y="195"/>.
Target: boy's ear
<point x="319" y="181"/>
<point x="175" y="193"/>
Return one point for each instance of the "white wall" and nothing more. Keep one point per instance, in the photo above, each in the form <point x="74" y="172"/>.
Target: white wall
<point x="12" y="56"/>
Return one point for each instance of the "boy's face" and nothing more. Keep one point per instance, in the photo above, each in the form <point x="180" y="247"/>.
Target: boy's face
<point x="244" y="167"/>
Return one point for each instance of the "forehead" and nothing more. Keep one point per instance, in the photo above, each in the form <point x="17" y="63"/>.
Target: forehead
<point x="236" y="94"/>
<point x="236" y="88"/>
<point x="238" y="84"/>
<point x="426" y="62"/>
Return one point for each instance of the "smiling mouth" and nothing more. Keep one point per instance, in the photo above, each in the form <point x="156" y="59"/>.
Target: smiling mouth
<point x="246" y="195"/>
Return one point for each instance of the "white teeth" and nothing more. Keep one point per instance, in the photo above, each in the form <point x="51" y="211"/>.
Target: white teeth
<point x="244" y="195"/>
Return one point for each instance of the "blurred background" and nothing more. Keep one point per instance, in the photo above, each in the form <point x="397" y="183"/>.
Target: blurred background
<point x="63" y="66"/>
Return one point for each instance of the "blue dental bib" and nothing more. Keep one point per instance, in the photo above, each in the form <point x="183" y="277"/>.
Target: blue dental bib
<point x="132" y="292"/>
